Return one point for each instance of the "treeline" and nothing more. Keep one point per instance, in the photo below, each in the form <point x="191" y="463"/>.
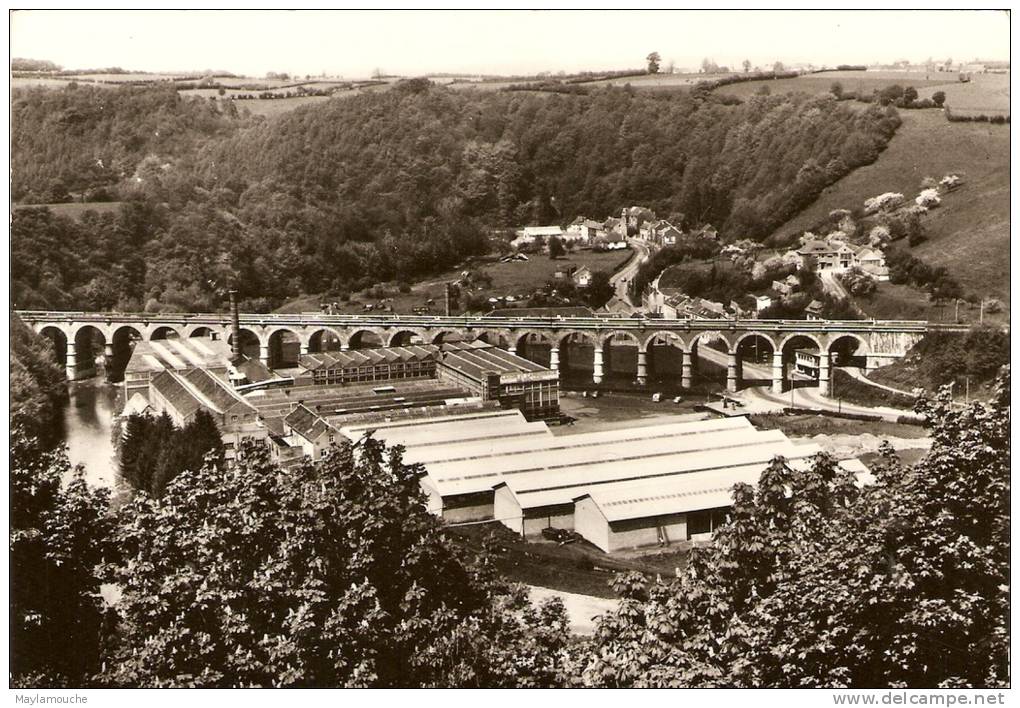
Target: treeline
<point x="398" y="184"/>
<point x="153" y="451"/>
<point x="975" y="118"/>
<point x="910" y="270"/>
<point x="37" y="385"/>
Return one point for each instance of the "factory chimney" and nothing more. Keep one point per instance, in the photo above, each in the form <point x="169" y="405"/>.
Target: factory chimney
<point x="235" y="322"/>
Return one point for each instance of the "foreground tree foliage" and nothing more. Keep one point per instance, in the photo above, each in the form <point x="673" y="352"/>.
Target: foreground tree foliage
<point x="58" y="540"/>
<point x="327" y="574"/>
<point x="816" y="582"/>
<point x="38" y="387"/>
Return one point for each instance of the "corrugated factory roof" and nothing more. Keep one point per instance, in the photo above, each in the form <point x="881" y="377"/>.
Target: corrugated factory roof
<point x="478" y="359"/>
<point x="503" y="416"/>
<point x="645" y="447"/>
<point x="688" y="492"/>
<point x="366" y="357"/>
<point x="171" y="388"/>
<point x="478" y="430"/>
<point x="466" y="451"/>
<point x="178" y="354"/>
<point x="219" y="394"/>
<point x="562" y="487"/>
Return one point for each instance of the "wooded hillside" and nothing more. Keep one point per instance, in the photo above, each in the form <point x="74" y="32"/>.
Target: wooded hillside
<point x="400" y="184"/>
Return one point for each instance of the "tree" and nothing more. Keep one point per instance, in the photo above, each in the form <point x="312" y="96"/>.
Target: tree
<point x="778" y="67"/>
<point x="815" y="581"/>
<point x="909" y="95"/>
<point x="938" y="98"/>
<point x="747" y="65"/>
<point x="836" y="90"/>
<point x="599" y="290"/>
<point x="653" y="60"/>
<point x="59" y="537"/>
<point x="556" y="249"/>
<point x="329" y="574"/>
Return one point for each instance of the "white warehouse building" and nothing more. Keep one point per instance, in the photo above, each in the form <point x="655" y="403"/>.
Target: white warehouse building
<point x="619" y="489"/>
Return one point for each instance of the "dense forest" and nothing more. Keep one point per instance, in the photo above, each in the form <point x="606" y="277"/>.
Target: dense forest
<point x="388" y="185"/>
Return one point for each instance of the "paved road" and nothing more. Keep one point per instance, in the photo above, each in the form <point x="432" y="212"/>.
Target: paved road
<point x="832" y="285"/>
<point x="808" y="397"/>
<point x="859" y="375"/>
<point x="621" y="279"/>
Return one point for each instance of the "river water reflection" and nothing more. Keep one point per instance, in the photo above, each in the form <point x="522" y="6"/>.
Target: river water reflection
<point x="88" y="430"/>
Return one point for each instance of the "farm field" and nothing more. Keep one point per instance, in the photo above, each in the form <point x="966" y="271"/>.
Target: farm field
<point x="859" y="81"/>
<point x="274" y="107"/>
<point x="653" y="81"/>
<point x="969" y="233"/>
<point x="984" y="93"/>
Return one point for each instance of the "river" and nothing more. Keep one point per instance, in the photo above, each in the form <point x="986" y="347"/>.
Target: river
<point x="88" y="430"/>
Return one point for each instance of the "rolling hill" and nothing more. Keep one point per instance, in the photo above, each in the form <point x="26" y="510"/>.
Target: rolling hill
<point x="969" y="233"/>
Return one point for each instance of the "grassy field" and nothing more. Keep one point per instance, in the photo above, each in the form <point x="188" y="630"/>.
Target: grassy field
<point x="75" y="209"/>
<point x="576" y="567"/>
<point x="654" y="81"/>
<point x="984" y="93"/>
<point x="969" y="233"/>
<point x="518" y="278"/>
<point x="859" y="81"/>
<point x="277" y="106"/>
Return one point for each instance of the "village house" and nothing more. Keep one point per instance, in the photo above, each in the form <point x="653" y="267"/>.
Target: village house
<point x="814" y="310"/>
<point x="635" y="216"/>
<point x="309" y="431"/>
<point x="761" y="302"/>
<point x="582" y="277"/>
<point x="585" y="230"/>
<point x="839" y="257"/>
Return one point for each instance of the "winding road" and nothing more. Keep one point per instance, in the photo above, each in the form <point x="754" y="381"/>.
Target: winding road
<point x="621" y="279"/>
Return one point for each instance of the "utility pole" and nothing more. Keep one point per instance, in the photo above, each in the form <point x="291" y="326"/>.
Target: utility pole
<point x="982" y="311"/>
<point x="958" y="310"/>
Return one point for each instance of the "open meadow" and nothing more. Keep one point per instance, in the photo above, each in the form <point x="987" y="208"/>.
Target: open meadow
<point x="859" y="81"/>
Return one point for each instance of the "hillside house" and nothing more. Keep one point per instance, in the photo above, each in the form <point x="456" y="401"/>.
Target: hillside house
<point x="584" y="230"/>
<point x="661" y="233"/>
<point x="814" y="310"/>
<point x="761" y="302"/>
<point x="838" y="257"/>
<point x="582" y="277"/>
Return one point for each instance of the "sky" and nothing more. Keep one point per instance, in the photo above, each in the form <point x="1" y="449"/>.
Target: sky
<point x="354" y="44"/>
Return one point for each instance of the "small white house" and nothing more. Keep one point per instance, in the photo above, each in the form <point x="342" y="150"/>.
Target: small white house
<point x="582" y="277"/>
<point x="309" y="431"/>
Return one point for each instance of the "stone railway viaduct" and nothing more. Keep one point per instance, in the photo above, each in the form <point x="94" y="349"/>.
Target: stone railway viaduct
<point x="872" y="342"/>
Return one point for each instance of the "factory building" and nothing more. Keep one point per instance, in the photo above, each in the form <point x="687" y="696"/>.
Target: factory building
<point x="367" y="365"/>
<point x="182" y="394"/>
<point x="149" y="358"/>
<point x="626" y="488"/>
<point x="495" y="374"/>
